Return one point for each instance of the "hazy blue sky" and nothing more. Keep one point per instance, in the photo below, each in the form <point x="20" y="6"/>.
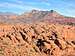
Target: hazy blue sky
<point x="65" y="7"/>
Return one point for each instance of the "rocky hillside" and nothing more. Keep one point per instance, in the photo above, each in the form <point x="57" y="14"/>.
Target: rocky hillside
<point x="39" y="39"/>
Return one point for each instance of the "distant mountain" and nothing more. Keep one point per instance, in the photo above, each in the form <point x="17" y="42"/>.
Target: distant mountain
<point x="40" y="14"/>
<point x="56" y="17"/>
<point x="32" y="16"/>
<point x="35" y="16"/>
<point x="6" y="17"/>
<point x="51" y="16"/>
<point x="7" y="13"/>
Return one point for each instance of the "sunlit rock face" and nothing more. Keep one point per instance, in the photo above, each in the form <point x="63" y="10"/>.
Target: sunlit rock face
<point x="37" y="39"/>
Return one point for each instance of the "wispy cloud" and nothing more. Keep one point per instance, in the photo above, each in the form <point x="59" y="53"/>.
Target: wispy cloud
<point x="10" y="5"/>
<point x="19" y="7"/>
<point x="65" y="6"/>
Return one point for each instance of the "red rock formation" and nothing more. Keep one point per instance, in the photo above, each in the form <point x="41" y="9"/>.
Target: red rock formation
<point x="39" y="39"/>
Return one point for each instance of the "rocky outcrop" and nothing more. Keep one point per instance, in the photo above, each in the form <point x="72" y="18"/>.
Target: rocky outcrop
<point x="39" y="39"/>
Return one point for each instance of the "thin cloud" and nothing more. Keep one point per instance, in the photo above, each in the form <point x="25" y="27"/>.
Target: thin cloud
<point x="9" y="5"/>
<point x="19" y="6"/>
<point x="25" y="5"/>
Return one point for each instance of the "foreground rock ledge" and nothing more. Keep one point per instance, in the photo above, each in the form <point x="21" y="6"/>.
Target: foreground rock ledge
<point x="40" y="39"/>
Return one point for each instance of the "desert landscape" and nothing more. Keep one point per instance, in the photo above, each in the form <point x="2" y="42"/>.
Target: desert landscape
<point x="37" y="33"/>
<point x="37" y="28"/>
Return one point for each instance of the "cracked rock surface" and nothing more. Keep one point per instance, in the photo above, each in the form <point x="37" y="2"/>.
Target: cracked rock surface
<point x="39" y="39"/>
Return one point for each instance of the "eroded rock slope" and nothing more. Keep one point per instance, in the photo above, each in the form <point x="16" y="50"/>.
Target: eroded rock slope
<point x="40" y="39"/>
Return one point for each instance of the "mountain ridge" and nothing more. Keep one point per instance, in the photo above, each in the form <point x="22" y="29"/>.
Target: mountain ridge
<point x="35" y="16"/>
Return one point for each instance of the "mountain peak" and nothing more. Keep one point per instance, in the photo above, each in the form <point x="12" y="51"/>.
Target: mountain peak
<point x="54" y="13"/>
<point x="7" y="13"/>
<point x="34" y="11"/>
